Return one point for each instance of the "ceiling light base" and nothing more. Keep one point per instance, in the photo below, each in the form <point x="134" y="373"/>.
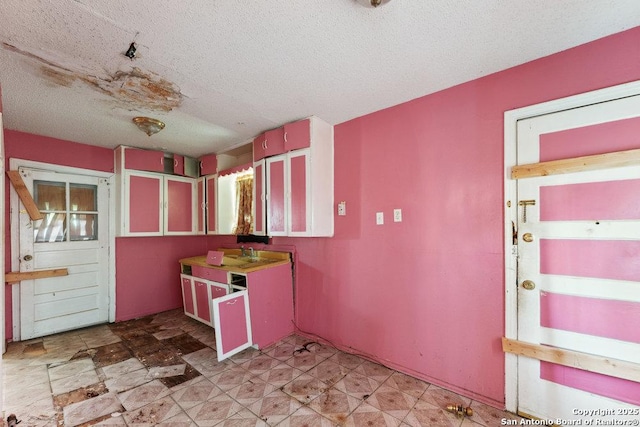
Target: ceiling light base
<point x="148" y="125"/>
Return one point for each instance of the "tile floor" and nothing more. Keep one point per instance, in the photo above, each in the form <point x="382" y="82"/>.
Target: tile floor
<point x="162" y="370"/>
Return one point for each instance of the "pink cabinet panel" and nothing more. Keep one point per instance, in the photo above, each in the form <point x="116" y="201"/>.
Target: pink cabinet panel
<point x="202" y="301"/>
<point x="211" y="210"/>
<point x="208" y="164"/>
<point x="178" y="164"/>
<point x="298" y="166"/>
<point x="276" y="193"/>
<point x="269" y="143"/>
<point x="218" y="291"/>
<point x="258" y="198"/>
<point x="187" y="296"/>
<point x="297" y="135"/>
<point x="144" y="160"/>
<point x="179" y="199"/>
<point x="144" y="204"/>
<point x="274" y="142"/>
<point x="258" y="147"/>
<point x="232" y="323"/>
<point x="271" y="304"/>
<point x="213" y="274"/>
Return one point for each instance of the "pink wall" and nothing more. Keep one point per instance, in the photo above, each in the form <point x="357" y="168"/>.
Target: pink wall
<point x="427" y="295"/>
<point x="148" y="273"/>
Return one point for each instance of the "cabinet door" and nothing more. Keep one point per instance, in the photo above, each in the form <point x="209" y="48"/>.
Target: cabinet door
<point x="180" y="196"/>
<point x="274" y="142"/>
<point x="259" y="147"/>
<point x="187" y="295"/>
<point x="208" y="165"/>
<point x="299" y="201"/>
<point x="203" y="310"/>
<point x="144" y="160"/>
<point x="178" y="164"/>
<point x="143" y="204"/>
<point x="232" y="322"/>
<point x="258" y="199"/>
<point x="212" y="204"/>
<point x="201" y="206"/>
<point x="297" y="135"/>
<point x="218" y="290"/>
<point x="276" y="193"/>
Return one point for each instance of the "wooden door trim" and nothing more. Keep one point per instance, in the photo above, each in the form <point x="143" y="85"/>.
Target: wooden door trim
<point x="14" y="203"/>
<point x="510" y="208"/>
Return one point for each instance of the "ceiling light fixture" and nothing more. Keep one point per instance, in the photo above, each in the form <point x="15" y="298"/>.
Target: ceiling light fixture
<point x="148" y="125"/>
<point x="376" y="3"/>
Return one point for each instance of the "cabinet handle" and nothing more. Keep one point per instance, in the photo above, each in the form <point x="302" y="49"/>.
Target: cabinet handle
<point x="201" y="165"/>
<point x="285" y="137"/>
<point x="232" y="302"/>
<point x="264" y="144"/>
<point x="175" y="163"/>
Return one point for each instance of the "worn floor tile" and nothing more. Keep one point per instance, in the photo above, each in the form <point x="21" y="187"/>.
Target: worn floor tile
<point x="275" y="407"/>
<point x="143" y="395"/>
<point x="366" y="415"/>
<point x="214" y="411"/>
<point x="91" y="409"/>
<point x="195" y="394"/>
<point x="335" y="405"/>
<point x="155" y="412"/>
<point x="392" y="401"/>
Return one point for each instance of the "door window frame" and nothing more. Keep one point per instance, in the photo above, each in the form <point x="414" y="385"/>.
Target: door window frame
<point x="511" y="118"/>
<point x="14" y="204"/>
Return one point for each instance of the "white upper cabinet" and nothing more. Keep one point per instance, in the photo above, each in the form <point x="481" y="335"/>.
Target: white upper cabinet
<point x="293" y="193"/>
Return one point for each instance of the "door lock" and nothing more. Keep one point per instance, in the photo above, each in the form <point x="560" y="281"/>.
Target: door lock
<point x="527" y="237"/>
<point x="528" y="285"/>
<point x="27" y="258"/>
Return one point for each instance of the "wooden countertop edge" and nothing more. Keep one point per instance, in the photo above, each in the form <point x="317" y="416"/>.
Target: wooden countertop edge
<point x="200" y="261"/>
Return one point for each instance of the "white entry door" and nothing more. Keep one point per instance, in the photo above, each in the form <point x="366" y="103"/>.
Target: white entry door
<point x="579" y="261"/>
<point x="72" y="235"/>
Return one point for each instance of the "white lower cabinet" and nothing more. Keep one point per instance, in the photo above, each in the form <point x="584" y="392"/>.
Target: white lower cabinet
<point x="197" y="294"/>
<point x="232" y="322"/>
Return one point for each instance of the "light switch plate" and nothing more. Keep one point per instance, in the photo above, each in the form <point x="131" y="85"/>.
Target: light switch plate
<point x="379" y="218"/>
<point x="397" y="215"/>
<point x="342" y="208"/>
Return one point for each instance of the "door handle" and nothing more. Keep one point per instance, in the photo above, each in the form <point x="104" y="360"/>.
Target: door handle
<point x="528" y="285"/>
<point x="27" y="257"/>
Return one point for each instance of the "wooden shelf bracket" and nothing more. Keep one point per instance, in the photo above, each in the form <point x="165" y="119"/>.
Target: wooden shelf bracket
<point x="24" y="195"/>
<point x="574" y="359"/>
<point x="577" y="164"/>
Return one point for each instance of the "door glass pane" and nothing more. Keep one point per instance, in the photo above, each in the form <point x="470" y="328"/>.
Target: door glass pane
<point x="50" y="196"/>
<point x="50" y="229"/>
<point x="83" y="197"/>
<point x="83" y="227"/>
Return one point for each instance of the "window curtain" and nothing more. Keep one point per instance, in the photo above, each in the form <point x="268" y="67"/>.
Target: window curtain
<point x="244" y="196"/>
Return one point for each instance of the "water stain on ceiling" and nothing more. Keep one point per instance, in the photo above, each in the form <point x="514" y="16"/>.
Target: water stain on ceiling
<point x="131" y="89"/>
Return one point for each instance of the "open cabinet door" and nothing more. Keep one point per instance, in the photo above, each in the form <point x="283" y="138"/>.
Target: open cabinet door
<point x="232" y="324"/>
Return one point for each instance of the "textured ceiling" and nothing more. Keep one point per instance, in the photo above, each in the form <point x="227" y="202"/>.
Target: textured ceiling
<point x="218" y="72"/>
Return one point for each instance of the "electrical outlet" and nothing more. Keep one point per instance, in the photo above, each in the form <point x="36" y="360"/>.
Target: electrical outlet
<point x="342" y="208"/>
<point x="397" y="215"/>
<point x="379" y="218"/>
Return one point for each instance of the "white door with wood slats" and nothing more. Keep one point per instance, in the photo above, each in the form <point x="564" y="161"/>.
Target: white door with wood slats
<point x="578" y="271"/>
<point x="72" y="235"/>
